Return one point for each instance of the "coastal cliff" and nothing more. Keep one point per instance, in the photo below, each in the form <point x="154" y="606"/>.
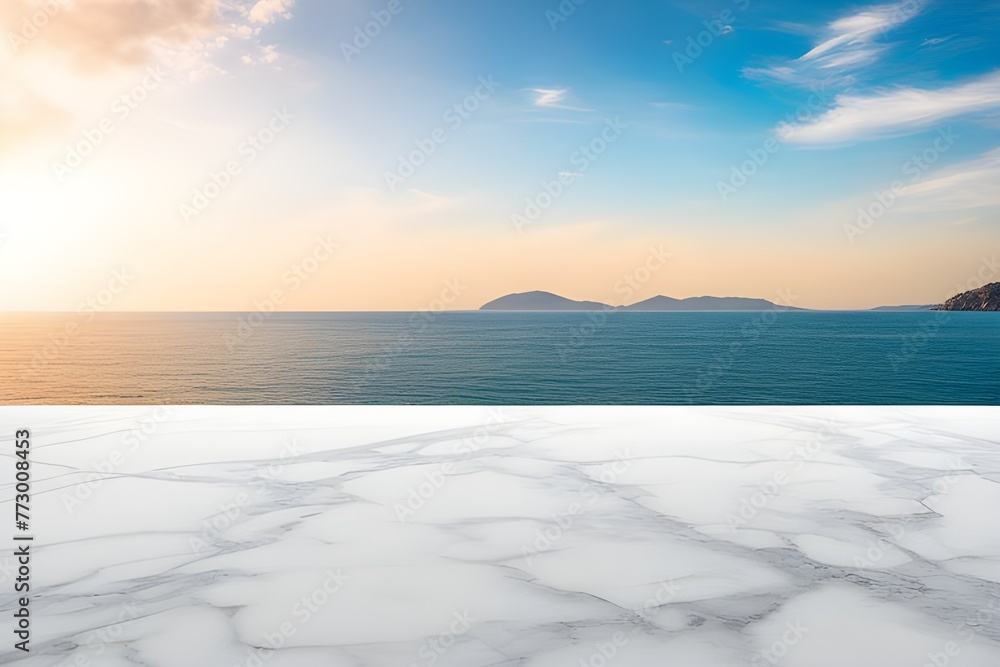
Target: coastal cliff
<point x="983" y="298"/>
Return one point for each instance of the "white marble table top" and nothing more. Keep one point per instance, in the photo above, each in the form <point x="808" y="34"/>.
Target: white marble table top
<point x="474" y="537"/>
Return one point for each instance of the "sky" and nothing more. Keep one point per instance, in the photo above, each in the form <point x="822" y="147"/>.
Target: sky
<point x="403" y="154"/>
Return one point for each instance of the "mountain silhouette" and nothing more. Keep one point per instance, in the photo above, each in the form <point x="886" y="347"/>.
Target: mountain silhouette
<point x="542" y="301"/>
<point x="539" y="300"/>
<point x="666" y="303"/>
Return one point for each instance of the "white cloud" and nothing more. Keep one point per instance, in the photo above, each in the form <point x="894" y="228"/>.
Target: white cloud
<point x="553" y="98"/>
<point x="244" y="31"/>
<point x="269" y="11"/>
<point x="268" y="54"/>
<point x="897" y="111"/>
<point x="848" y="44"/>
<point x="549" y="97"/>
<point x="68" y="67"/>
<point x="93" y="36"/>
<point x="96" y="34"/>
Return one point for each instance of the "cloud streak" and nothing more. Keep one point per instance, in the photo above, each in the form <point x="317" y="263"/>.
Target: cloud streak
<point x="894" y="112"/>
<point x="848" y="44"/>
<point x="967" y="185"/>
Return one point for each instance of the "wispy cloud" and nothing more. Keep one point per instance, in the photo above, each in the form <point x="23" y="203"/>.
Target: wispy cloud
<point x="933" y="41"/>
<point x="549" y="97"/>
<point x="971" y="184"/>
<point x="789" y="27"/>
<point x="848" y="44"/>
<point x="894" y="112"/>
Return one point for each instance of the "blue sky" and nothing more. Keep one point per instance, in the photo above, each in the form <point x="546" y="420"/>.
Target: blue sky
<point x="677" y="127"/>
<point x="687" y="128"/>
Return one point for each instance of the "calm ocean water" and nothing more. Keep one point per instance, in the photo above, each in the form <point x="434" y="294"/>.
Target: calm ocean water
<point x="502" y="358"/>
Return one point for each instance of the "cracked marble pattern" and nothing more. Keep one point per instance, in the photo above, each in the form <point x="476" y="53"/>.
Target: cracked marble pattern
<point x="461" y="536"/>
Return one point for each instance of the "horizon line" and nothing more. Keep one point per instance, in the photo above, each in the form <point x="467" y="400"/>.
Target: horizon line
<point x="624" y="309"/>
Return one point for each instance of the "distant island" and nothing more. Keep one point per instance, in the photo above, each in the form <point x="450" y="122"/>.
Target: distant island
<point x="703" y="303"/>
<point x="985" y="298"/>
<point x="539" y="300"/>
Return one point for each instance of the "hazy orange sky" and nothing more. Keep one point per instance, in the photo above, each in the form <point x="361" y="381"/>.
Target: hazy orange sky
<point x="208" y="156"/>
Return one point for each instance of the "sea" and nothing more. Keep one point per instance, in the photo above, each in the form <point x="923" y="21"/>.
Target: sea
<point x="502" y="358"/>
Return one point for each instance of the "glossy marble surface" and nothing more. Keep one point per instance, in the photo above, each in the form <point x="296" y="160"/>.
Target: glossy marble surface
<point x="806" y="537"/>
